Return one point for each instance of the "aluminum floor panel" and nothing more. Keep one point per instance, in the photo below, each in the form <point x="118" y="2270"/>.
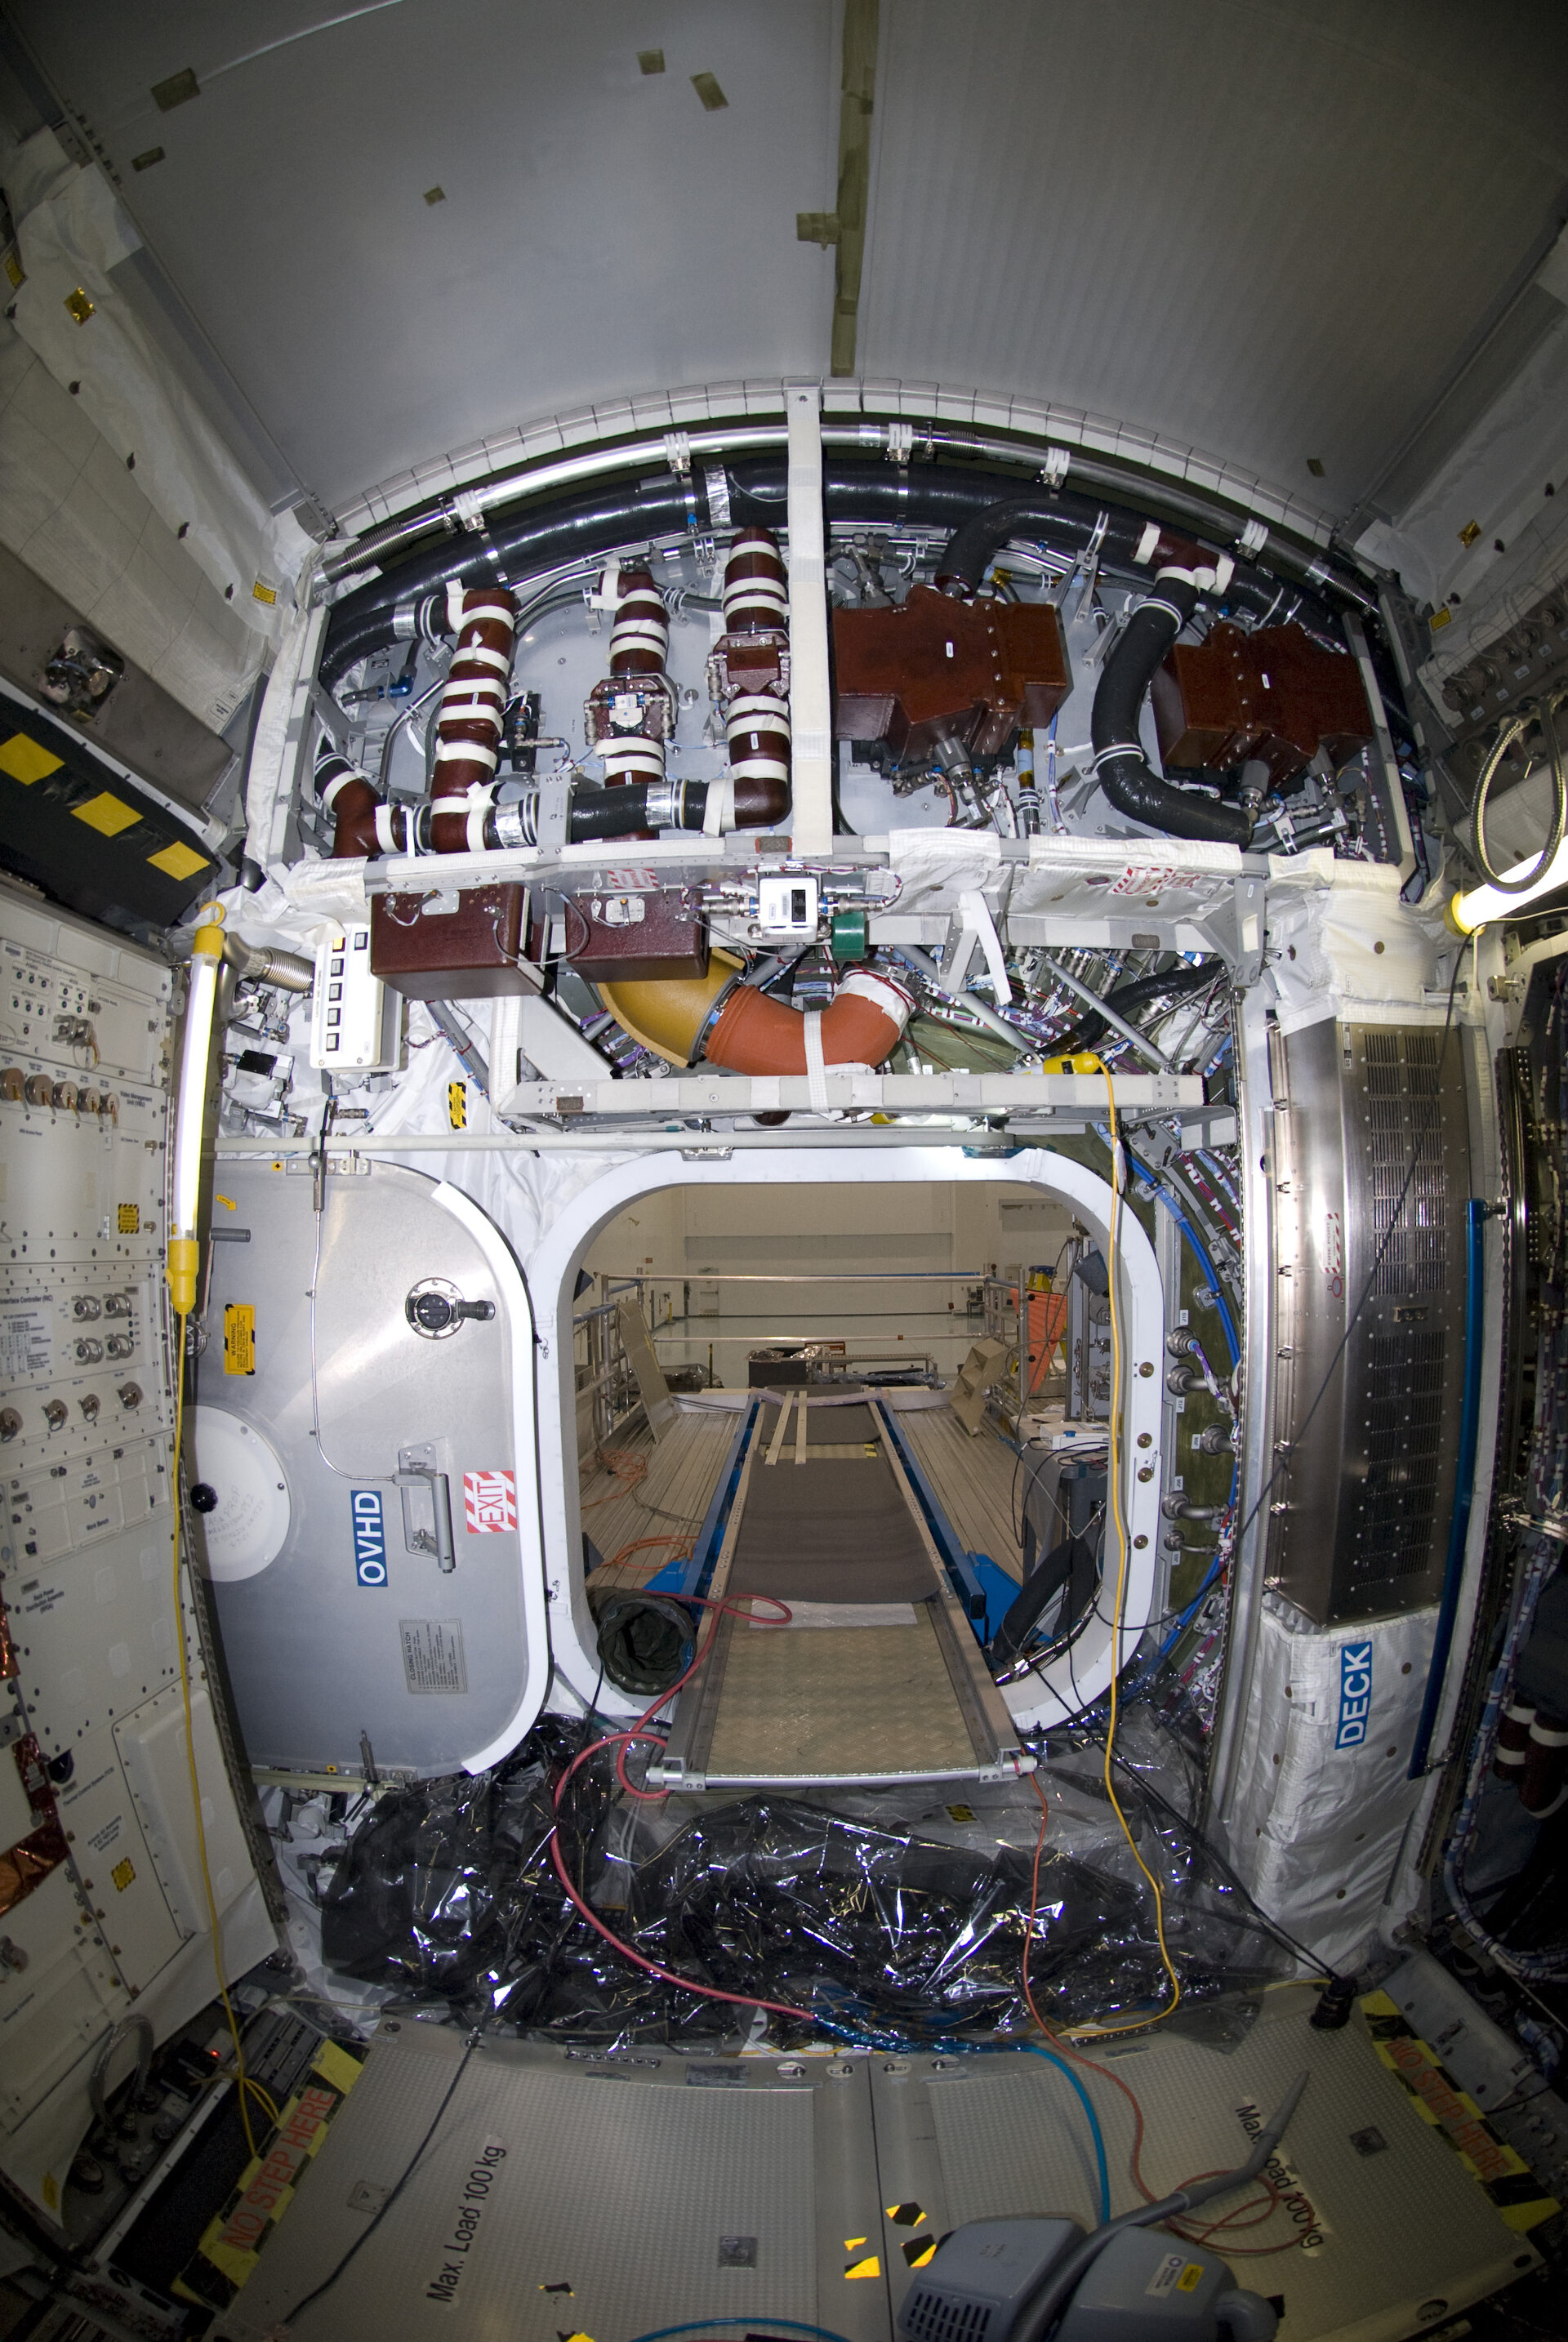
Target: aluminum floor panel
<point x="659" y="2187"/>
<point x="1402" y="2226"/>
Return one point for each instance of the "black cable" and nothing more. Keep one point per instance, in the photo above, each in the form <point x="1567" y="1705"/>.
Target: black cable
<point x="472" y="2043"/>
<point x="365" y="2233"/>
<point x="1228" y="1876"/>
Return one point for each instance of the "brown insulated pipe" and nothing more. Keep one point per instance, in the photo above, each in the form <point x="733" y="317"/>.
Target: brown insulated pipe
<point x="363" y="824"/>
<point x="756" y="703"/>
<point x="630" y="716"/>
<point x="756" y="587"/>
<point x="859" y="1028"/>
<point x="468" y="727"/>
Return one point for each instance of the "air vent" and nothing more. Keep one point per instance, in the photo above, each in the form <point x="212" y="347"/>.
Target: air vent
<point x="931" y="2317"/>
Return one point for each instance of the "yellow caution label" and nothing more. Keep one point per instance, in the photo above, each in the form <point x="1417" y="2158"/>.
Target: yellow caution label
<point x="1444" y="617"/>
<point x="870" y="2266"/>
<point x="178" y="861"/>
<point x="458" y="1105"/>
<point x="121" y="1874"/>
<point x="336" y="2067"/>
<point x="26" y="760"/>
<point x="240" y="1338"/>
<point x="107" y="814"/>
<point x="262" y="592"/>
<point x="1191" y="2279"/>
<point x="128" y="1219"/>
<point x="14" y="268"/>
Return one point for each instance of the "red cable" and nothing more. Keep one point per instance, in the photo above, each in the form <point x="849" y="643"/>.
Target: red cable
<point x="1269" y="2202"/>
<point x="619" y="1742"/>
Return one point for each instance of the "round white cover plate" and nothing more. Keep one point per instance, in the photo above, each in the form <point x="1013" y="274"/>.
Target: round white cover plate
<point x="250" y="1522"/>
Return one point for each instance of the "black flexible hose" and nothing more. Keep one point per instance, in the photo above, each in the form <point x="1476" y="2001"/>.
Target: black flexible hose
<point x="518" y="545"/>
<point x="1174" y="985"/>
<point x="623" y="811"/>
<point x="1129" y="781"/>
<point x="534" y="537"/>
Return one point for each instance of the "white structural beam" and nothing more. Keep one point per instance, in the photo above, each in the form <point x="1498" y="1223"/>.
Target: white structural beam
<point x="811" y="700"/>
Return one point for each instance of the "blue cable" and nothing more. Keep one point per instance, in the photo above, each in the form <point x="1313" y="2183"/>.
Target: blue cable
<point x="747" y="2318"/>
<point x="1088" y="2105"/>
<point x="892" y="2043"/>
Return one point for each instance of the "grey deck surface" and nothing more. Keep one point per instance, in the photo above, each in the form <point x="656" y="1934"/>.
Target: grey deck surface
<point x="639" y="2181"/>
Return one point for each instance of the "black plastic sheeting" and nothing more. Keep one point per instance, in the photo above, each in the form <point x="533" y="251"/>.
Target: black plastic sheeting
<point x="876" y="1928"/>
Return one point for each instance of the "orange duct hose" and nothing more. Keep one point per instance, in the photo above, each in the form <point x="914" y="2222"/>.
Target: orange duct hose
<point x="860" y="1027"/>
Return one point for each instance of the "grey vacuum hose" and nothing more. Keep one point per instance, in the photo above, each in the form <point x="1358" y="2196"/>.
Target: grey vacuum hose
<point x="1129" y="781"/>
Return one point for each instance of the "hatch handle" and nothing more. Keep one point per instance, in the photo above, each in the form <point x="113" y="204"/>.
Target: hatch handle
<point x="417" y="1475"/>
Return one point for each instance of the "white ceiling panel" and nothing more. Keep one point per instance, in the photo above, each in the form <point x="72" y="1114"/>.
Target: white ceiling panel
<point x="1263" y="229"/>
<point x="601" y="231"/>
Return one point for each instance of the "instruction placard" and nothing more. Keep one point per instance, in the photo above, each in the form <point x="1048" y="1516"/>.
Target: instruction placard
<point x="433" y="1654"/>
<point x="239" y="1339"/>
<point x="26" y="1337"/>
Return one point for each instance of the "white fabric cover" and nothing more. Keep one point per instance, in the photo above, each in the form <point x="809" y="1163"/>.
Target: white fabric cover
<point x="1317" y="1828"/>
<point x="1326" y="920"/>
<point x="71" y="230"/>
<point x="81" y="522"/>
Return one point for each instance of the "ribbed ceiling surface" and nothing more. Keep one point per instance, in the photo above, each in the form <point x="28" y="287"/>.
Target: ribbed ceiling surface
<point x="1268" y="229"/>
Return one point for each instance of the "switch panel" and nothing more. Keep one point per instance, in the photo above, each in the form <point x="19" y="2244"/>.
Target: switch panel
<point x="355" y="1018"/>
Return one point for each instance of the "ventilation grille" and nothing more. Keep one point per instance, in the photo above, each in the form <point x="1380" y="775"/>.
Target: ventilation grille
<point x="931" y="2316"/>
<point x="1404" y="1074"/>
<point x="1403" y="1394"/>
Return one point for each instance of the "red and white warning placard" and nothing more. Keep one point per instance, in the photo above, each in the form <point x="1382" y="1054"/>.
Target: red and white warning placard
<point x="489" y="1501"/>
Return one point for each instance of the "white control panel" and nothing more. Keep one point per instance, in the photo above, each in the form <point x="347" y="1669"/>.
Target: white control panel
<point x="787" y="908"/>
<point x="354" y="1021"/>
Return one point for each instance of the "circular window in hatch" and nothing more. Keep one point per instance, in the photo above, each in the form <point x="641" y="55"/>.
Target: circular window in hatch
<point x="240" y="1493"/>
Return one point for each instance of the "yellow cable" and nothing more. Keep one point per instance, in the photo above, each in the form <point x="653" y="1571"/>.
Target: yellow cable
<point x="1112" y="1460"/>
<point x="245" y="2085"/>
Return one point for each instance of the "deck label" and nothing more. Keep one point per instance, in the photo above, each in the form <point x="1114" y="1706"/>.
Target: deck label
<point x="1354" y="1694"/>
<point x="463" y="2230"/>
<point x="369" y="1536"/>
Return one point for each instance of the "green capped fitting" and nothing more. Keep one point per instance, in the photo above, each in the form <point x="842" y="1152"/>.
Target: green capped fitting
<point x="847" y="934"/>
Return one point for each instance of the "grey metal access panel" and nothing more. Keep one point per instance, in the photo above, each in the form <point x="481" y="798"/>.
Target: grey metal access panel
<point x="1370" y="1136"/>
<point x="568" y="2192"/>
<point x="374" y="1545"/>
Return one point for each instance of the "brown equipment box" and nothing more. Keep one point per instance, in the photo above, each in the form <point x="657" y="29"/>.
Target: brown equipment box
<point x="1274" y="695"/>
<point x="630" y="938"/>
<point x="468" y="953"/>
<point x="972" y="671"/>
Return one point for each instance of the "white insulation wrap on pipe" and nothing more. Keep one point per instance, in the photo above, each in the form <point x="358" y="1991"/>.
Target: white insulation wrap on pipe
<point x="1321" y="1816"/>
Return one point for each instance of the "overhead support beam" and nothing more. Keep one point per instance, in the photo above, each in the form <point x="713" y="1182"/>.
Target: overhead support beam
<point x="810" y="695"/>
<point x="857" y="87"/>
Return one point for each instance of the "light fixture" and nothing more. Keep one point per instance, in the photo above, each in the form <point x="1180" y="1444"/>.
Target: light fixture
<point x="191" y="1108"/>
<point x="1480" y="904"/>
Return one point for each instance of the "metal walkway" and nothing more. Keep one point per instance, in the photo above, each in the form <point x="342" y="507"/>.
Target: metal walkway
<point x="563" y="2192"/>
<point x="878" y="1675"/>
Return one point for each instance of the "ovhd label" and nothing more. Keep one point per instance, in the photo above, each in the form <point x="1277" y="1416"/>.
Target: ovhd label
<point x="1354" y="1694"/>
<point x="369" y="1536"/>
